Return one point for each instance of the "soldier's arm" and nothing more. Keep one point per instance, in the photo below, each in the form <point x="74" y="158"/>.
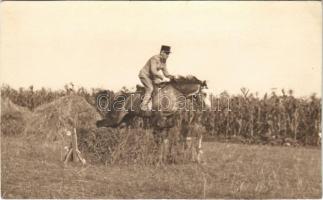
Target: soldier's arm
<point x="154" y="71"/>
<point x="165" y="72"/>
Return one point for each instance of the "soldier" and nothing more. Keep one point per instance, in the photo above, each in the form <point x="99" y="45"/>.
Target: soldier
<point x="150" y="75"/>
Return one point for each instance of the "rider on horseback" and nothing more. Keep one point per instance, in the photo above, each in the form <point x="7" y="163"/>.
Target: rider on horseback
<point x="150" y="75"/>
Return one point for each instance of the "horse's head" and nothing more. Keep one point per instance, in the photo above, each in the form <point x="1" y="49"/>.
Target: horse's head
<point x="189" y="85"/>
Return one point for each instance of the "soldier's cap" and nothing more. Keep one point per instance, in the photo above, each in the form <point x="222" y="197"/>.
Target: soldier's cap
<point x="165" y="48"/>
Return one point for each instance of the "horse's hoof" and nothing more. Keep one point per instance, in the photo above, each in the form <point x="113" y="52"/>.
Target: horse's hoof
<point x="99" y="123"/>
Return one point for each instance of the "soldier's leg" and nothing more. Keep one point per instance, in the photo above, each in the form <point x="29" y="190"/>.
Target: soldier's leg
<point x="148" y="91"/>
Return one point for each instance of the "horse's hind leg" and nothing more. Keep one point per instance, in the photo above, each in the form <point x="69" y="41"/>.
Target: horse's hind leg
<point x="163" y="143"/>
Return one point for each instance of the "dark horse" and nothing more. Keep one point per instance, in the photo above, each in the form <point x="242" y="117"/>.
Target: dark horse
<point x="183" y="94"/>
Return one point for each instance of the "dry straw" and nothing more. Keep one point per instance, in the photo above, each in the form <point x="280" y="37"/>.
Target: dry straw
<point x="13" y="117"/>
<point x="50" y="122"/>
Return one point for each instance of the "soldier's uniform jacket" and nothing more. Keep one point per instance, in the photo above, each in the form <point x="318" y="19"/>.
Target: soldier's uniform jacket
<point x="151" y="68"/>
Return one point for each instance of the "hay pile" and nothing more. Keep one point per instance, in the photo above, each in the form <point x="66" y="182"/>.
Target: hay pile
<point x="119" y="146"/>
<point x="13" y="117"/>
<point x="131" y="146"/>
<point x="52" y="120"/>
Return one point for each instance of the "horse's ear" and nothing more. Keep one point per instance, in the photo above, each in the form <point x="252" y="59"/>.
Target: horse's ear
<point x="204" y="84"/>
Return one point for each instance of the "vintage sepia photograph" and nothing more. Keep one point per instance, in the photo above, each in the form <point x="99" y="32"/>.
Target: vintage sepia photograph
<point x="161" y="100"/>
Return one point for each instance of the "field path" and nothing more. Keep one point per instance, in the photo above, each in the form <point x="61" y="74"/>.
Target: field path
<point x="31" y="169"/>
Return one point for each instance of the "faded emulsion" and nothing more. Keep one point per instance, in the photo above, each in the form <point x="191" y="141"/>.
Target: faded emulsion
<point x="229" y="103"/>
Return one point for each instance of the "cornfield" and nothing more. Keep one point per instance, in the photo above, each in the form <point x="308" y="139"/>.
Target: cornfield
<point x="278" y="117"/>
<point x="274" y="118"/>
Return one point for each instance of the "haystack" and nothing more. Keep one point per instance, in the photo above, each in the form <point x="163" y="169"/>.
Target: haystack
<point x="132" y="146"/>
<point x="13" y="117"/>
<point x="52" y="120"/>
<point x="119" y="146"/>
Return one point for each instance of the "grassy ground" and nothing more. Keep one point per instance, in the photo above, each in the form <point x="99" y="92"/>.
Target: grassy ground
<point x="31" y="169"/>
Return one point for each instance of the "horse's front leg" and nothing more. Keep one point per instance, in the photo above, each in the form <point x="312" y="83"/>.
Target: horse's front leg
<point x="194" y="147"/>
<point x="199" y="149"/>
<point x="188" y="148"/>
<point x="164" y="150"/>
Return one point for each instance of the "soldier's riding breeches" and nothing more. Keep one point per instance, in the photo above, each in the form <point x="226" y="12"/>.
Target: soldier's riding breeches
<point x="148" y="84"/>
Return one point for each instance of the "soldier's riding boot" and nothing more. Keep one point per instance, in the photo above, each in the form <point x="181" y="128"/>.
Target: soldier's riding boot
<point x="144" y="104"/>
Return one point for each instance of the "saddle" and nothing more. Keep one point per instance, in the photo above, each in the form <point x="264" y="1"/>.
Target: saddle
<point x="141" y="89"/>
<point x="175" y="83"/>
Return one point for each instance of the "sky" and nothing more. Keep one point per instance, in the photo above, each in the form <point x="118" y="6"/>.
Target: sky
<point x="257" y="45"/>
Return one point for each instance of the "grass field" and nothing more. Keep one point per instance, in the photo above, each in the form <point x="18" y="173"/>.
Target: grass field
<point x="32" y="169"/>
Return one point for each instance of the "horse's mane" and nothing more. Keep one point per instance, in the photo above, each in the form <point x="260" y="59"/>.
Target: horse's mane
<point x="187" y="79"/>
<point x="178" y="82"/>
